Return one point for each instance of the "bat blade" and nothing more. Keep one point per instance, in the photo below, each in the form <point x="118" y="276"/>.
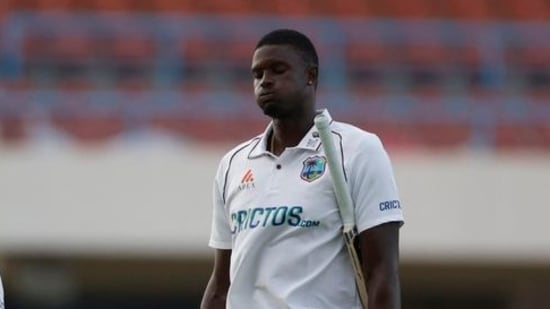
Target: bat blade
<point x="344" y="200"/>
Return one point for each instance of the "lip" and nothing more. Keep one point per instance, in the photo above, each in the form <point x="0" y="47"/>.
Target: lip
<point x="266" y="96"/>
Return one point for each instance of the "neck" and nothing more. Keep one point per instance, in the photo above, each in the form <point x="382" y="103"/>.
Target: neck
<point x="289" y="132"/>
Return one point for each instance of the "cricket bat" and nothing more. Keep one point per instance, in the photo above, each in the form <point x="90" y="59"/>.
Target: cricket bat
<point x="343" y="198"/>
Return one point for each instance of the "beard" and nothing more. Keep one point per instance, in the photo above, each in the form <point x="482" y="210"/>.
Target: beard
<point x="272" y="109"/>
<point x="280" y="108"/>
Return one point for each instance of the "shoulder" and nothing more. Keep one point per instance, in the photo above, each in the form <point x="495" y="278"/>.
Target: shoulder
<point x="354" y="139"/>
<point x="239" y="151"/>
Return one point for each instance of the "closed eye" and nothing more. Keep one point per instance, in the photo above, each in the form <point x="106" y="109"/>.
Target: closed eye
<point x="279" y="68"/>
<point x="257" y="74"/>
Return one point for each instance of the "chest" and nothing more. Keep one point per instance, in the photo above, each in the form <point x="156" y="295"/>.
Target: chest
<point x="293" y="189"/>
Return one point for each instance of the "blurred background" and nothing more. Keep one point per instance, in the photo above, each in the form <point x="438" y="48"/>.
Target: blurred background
<point x="114" y="114"/>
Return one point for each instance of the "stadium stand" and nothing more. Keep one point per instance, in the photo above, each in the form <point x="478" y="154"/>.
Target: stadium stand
<point x="452" y="73"/>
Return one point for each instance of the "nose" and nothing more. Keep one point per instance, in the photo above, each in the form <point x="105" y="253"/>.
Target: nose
<point x="266" y="81"/>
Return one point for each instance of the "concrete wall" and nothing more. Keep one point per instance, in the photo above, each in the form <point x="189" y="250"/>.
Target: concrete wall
<point x="154" y="200"/>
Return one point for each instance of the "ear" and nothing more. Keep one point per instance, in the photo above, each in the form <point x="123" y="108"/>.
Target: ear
<point x="312" y="75"/>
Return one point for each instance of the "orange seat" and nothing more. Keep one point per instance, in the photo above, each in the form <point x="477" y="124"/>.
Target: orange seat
<point x="91" y="128"/>
<point x="442" y="134"/>
<point x="347" y="8"/>
<point x="366" y="64"/>
<point x="408" y="9"/>
<point x="133" y="48"/>
<point x="238" y="60"/>
<point x="197" y="50"/>
<point x="4" y="10"/>
<point x="212" y="129"/>
<point x="377" y="8"/>
<point x="471" y="9"/>
<point x="69" y="85"/>
<point x="536" y="56"/>
<point x="174" y="6"/>
<point x="72" y="47"/>
<point x="53" y="5"/>
<point x="13" y="129"/>
<point x="22" y="84"/>
<point x="296" y="7"/>
<point x="522" y="135"/>
<point x="527" y="9"/>
<point x="425" y="61"/>
<point x="431" y="53"/>
<point x="531" y="66"/>
<point x="368" y="53"/>
<point x="22" y="4"/>
<point x="112" y="5"/>
<point x="229" y="6"/>
<point x="423" y="46"/>
<point x="35" y="47"/>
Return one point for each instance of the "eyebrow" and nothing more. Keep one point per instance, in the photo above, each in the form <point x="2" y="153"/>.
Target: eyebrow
<point x="268" y="63"/>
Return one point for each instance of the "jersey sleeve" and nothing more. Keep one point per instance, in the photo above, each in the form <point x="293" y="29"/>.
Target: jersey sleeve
<point x="373" y="187"/>
<point x="220" y="235"/>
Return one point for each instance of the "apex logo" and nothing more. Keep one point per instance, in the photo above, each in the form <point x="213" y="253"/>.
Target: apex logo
<point x="247" y="182"/>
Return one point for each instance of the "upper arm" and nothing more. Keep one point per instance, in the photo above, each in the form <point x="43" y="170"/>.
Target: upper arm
<point x="378" y="216"/>
<point x="380" y="263"/>
<point x="379" y="247"/>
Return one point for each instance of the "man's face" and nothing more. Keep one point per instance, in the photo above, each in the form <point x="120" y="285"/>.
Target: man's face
<point x="280" y="80"/>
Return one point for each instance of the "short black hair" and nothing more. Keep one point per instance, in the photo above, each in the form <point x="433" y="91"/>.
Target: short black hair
<point x="295" y="39"/>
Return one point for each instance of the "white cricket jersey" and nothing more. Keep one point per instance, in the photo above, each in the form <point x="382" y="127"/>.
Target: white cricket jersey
<point x="279" y="217"/>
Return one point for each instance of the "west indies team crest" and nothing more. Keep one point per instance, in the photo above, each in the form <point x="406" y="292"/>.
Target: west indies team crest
<point x="314" y="167"/>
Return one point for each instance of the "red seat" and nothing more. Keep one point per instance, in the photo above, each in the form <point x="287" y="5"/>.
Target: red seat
<point x="347" y="8"/>
<point x="112" y="5"/>
<point x="72" y="48"/>
<point x="198" y="55"/>
<point x="527" y="9"/>
<point x="523" y="135"/>
<point x="471" y="9"/>
<point x="442" y="134"/>
<point x="20" y="84"/>
<point x="367" y="63"/>
<point x="133" y="48"/>
<point x="229" y="7"/>
<point x="4" y="8"/>
<point x="21" y="4"/>
<point x="90" y="128"/>
<point x="197" y="49"/>
<point x="12" y="129"/>
<point x="174" y="6"/>
<point x="296" y="7"/>
<point x="534" y="55"/>
<point x="69" y="85"/>
<point x="36" y="47"/>
<point x="408" y="9"/>
<point x="53" y="5"/>
<point x="211" y="129"/>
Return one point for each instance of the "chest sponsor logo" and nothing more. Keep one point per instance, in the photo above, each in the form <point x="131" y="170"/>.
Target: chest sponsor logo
<point x="262" y="217"/>
<point x="314" y="168"/>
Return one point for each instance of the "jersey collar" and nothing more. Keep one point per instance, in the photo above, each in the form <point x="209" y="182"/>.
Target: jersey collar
<point x="310" y="141"/>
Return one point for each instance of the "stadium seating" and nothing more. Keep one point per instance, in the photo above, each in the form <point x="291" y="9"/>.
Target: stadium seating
<point x="397" y="61"/>
<point x="460" y="9"/>
<point x="531" y="10"/>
